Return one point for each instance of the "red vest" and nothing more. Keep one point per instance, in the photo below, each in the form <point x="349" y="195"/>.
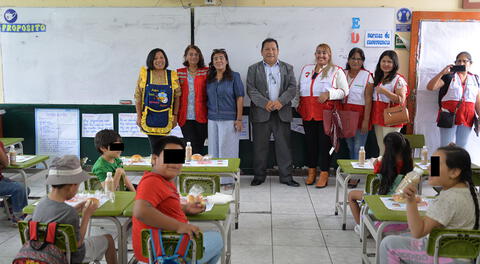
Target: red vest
<point x="200" y="86"/>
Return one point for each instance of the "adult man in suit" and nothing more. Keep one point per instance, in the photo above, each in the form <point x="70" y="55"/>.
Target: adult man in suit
<point x="271" y="86"/>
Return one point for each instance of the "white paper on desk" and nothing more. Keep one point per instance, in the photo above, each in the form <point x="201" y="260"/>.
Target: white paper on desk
<point x="80" y="197"/>
<point x="144" y="162"/>
<point x="220" y="198"/>
<point x="127" y="125"/>
<point x="422" y="166"/>
<point x="57" y="131"/>
<point x="208" y="205"/>
<point x="367" y="166"/>
<point x="207" y="163"/>
<point x="396" y="206"/>
<point x="23" y="158"/>
<point x="92" y="123"/>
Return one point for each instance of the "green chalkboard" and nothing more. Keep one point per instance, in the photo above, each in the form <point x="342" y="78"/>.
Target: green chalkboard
<point x="19" y="121"/>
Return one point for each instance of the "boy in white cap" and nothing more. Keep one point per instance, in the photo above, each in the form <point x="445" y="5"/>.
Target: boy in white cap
<point x="65" y="176"/>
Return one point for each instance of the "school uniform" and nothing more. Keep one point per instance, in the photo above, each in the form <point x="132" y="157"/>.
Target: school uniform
<point x="466" y="111"/>
<point x="313" y="84"/>
<point x="379" y="103"/>
<point x="355" y="101"/>
<point x="192" y="115"/>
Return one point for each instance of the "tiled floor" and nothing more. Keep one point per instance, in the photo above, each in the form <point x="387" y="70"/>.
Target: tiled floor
<point x="278" y="224"/>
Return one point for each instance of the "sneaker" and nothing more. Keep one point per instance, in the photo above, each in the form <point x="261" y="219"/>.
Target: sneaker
<point x="357" y="230"/>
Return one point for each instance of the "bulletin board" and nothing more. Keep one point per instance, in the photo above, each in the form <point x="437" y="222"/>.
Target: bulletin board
<point x="437" y="37"/>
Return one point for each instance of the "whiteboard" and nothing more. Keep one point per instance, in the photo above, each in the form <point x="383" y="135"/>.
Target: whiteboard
<point x="298" y="30"/>
<point x="439" y="44"/>
<point x="87" y="55"/>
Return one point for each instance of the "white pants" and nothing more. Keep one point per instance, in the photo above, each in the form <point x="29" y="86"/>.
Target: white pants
<point x="95" y="248"/>
<point x="222" y="139"/>
<point x="380" y="133"/>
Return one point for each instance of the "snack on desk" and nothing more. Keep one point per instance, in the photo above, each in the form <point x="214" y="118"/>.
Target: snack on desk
<point x="92" y="200"/>
<point x="197" y="157"/>
<point x="136" y="158"/>
<point x="196" y="199"/>
<point x="400" y="199"/>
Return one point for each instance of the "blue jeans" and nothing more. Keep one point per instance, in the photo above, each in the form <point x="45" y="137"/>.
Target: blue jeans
<point x="17" y="192"/>
<point x="459" y="133"/>
<point x="354" y="143"/>
<point x="213" y="245"/>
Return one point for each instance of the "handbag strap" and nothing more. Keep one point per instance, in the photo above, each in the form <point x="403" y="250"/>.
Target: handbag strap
<point x="463" y="95"/>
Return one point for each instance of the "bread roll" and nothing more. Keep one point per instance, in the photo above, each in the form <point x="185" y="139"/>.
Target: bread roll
<point x="197" y="157"/>
<point x="136" y="158"/>
<point x="92" y="200"/>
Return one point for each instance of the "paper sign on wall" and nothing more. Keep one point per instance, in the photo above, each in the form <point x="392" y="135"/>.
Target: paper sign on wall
<point x="244" y="134"/>
<point x="127" y="125"/>
<point x="57" y="132"/>
<point x="378" y="39"/>
<point x="92" y="123"/>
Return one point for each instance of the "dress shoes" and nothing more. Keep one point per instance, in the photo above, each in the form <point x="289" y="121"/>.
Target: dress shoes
<point x="256" y="182"/>
<point x="291" y="183"/>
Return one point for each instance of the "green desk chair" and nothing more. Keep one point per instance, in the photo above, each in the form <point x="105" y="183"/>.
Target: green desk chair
<point x="417" y="141"/>
<point x="170" y="240"/>
<point x="454" y="243"/>
<point x="209" y="183"/>
<point x="372" y="184"/>
<point x="65" y="238"/>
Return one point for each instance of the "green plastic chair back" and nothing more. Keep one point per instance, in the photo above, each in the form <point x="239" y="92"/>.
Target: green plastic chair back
<point x="60" y="238"/>
<point x="209" y="182"/>
<point x="170" y="240"/>
<point x="417" y="141"/>
<point x="94" y="184"/>
<point x="454" y="243"/>
<point x="372" y="184"/>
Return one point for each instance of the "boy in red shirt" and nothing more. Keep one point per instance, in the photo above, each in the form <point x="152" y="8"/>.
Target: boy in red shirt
<point x="157" y="204"/>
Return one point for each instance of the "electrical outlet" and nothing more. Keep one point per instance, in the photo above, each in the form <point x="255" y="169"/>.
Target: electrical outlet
<point x="210" y="2"/>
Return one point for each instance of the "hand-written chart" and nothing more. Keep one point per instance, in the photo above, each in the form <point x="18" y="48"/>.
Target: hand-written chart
<point x="127" y="125"/>
<point x="57" y="132"/>
<point x="92" y="123"/>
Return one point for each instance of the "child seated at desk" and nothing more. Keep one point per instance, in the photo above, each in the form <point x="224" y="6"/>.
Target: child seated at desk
<point x="157" y="204"/>
<point x="456" y="207"/>
<point x="16" y="190"/>
<point x="396" y="162"/>
<point x="109" y="143"/>
<point x="65" y="176"/>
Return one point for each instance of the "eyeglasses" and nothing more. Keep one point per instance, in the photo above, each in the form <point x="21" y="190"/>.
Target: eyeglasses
<point x="218" y="50"/>
<point x="462" y="61"/>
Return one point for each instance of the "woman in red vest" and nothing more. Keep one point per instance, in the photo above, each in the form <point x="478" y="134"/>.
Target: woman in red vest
<point x="320" y="83"/>
<point x="390" y="89"/>
<point x="192" y="116"/>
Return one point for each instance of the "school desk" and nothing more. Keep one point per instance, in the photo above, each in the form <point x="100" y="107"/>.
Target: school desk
<point x="379" y="212"/>
<point x="345" y="172"/>
<point x="112" y="212"/>
<point x="233" y="170"/>
<point x="7" y="142"/>
<point x="220" y="216"/>
<point x="25" y="168"/>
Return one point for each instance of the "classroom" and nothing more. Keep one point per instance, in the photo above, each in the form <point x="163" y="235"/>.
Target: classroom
<point x="227" y="131"/>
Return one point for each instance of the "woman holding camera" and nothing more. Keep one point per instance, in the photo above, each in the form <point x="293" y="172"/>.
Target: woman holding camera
<point x="458" y="100"/>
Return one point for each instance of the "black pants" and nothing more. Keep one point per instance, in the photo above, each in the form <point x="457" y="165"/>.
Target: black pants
<point x="153" y="140"/>
<point x="196" y="133"/>
<point x="317" y="143"/>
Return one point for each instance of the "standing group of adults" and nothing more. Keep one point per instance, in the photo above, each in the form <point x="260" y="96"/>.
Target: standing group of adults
<point x="209" y="101"/>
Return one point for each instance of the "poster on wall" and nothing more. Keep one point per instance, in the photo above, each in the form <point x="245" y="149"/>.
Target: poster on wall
<point x="57" y="132"/>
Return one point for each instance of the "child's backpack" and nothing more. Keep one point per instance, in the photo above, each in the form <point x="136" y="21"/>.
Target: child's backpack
<point x="38" y="252"/>
<point x="159" y="253"/>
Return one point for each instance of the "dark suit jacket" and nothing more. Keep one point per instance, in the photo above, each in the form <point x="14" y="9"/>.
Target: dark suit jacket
<point x="257" y="90"/>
